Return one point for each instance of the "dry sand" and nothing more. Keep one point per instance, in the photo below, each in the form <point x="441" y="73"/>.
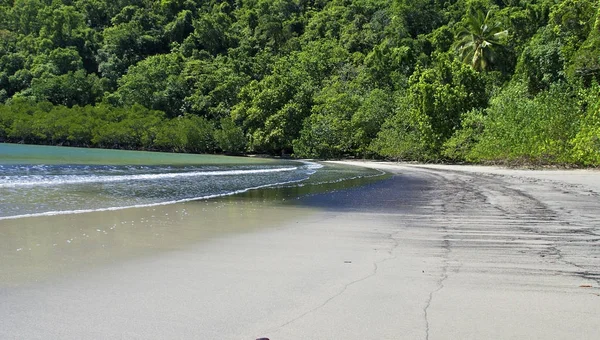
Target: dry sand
<point x="435" y="252"/>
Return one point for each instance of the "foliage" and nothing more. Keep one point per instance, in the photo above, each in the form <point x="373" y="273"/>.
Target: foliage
<point x="442" y="93"/>
<point x="366" y="121"/>
<point x="103" y="126"/>
<point x="407" y="135"/>
<point x="324" y="136"/>
<point x="523" y="129"/>
<point x="155" y="82"/>
<point x="478" y="41"/>
<point x="586" y="143"/>
<point x="327" y="132"/>
<point x="586" y="61"/>
<point x="542" y="62"/>
<point x="459" y="147"/>
<point x="313" y="78"/>
<point x="230" y="137"/>
<point x="72" y="88"/>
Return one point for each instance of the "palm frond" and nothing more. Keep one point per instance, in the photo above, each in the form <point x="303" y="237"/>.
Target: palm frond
<point x="478" y="39"/>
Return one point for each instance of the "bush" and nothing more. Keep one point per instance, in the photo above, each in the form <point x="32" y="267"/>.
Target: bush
<point x="461" y="144"/>
<point x="199" y="133"/>
<point x="186" y="134"/>
<point x="324" y="136"/>
<point x="405" y="136"/>
<point x="128" y="128"/>
<point x="368" y="119"/>
<point x="522" y="129"/>
<point x="230" y="137"/>
<point x="586" y="144"/>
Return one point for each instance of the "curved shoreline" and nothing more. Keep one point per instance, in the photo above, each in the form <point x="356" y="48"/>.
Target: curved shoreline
<point x="434" y="252"/>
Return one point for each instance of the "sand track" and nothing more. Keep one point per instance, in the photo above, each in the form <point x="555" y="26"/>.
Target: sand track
<point x="526" y="240"/>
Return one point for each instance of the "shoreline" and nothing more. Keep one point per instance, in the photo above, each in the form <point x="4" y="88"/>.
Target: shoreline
<point x="589" y="177"/>
<point x="267" y="157"/>
<point x="433" y="252"/>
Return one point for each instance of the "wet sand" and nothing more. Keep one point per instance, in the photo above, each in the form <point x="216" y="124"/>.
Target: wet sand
<point x="434" y="252"/>
<point x="37" y="249"/>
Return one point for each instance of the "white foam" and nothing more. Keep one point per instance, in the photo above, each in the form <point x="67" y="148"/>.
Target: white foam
<point x="82" y="211"/>
<point x="312" y="167"/>
<point x="60" y="180"/>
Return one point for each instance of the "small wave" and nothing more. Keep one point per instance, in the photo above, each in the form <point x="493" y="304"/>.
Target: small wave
<point x="83" y="211"/>
<point x="312" y="167"/>
<point x="60" y="180"/>
<point x="339" y="180"/>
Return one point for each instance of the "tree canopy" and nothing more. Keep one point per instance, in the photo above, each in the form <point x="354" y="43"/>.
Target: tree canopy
<point x="460" y="80"/>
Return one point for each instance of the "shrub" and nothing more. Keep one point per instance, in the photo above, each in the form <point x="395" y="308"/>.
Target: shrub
<point x="586" y="144"/>
<point x="405" y="136"/>
<point x="230" y="137"/>
<point x="537" y="130"/>
<point x="460" y="145"/>
<point x="324" y="136"/>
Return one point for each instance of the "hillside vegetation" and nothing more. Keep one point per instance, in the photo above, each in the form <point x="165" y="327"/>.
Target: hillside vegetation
<point x="461" y="80"/>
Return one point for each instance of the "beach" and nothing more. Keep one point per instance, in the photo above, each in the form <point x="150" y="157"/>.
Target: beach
<point x="432" y="252"/>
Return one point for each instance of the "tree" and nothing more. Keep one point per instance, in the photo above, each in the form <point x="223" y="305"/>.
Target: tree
<point x="216" y="84"/>
<point x="154" y="82"/>
<point x="542" y="62"/>
<point x="368" y="118"/>
<point x="324" y="136"/>
<point x="230" y="137"/>
<point x="478" y="41"/>
<point x="586" y="61"/>
<point x="136" y="33"/>
<point x="273" y="110"/>
<point x="444" y="92"/>
<point x="72" y="88"/>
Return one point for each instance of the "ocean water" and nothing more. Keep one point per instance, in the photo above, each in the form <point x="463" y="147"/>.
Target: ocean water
<point x="44" y="180"/>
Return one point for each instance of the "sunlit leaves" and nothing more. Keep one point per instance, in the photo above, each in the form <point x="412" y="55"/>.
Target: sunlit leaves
<point x="155" y="82"/>
<point x="479" y="39"/>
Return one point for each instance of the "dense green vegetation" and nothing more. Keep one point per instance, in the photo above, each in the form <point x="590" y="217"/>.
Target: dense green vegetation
<point x="429" y="80"/>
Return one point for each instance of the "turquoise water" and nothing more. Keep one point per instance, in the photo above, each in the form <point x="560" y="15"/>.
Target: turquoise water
<point x="41" y="154"/>
<point x="44" y="180"/>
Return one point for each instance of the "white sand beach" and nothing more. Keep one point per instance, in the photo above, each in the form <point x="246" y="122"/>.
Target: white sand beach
<point x="434" y="252"/>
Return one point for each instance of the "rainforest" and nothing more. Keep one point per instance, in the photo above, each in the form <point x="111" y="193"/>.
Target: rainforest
<point x="480" y="81"/>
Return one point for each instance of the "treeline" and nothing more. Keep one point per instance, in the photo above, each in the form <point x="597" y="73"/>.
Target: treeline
<point x="110" y="127"/>
<point x="461" y="80"/>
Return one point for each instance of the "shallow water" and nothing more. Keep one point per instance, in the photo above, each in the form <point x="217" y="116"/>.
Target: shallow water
<point x="43" y="181"/>
<point x="61" y="216"/>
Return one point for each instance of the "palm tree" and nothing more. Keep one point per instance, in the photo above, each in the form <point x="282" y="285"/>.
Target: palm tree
<point x="478" y="41"/>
